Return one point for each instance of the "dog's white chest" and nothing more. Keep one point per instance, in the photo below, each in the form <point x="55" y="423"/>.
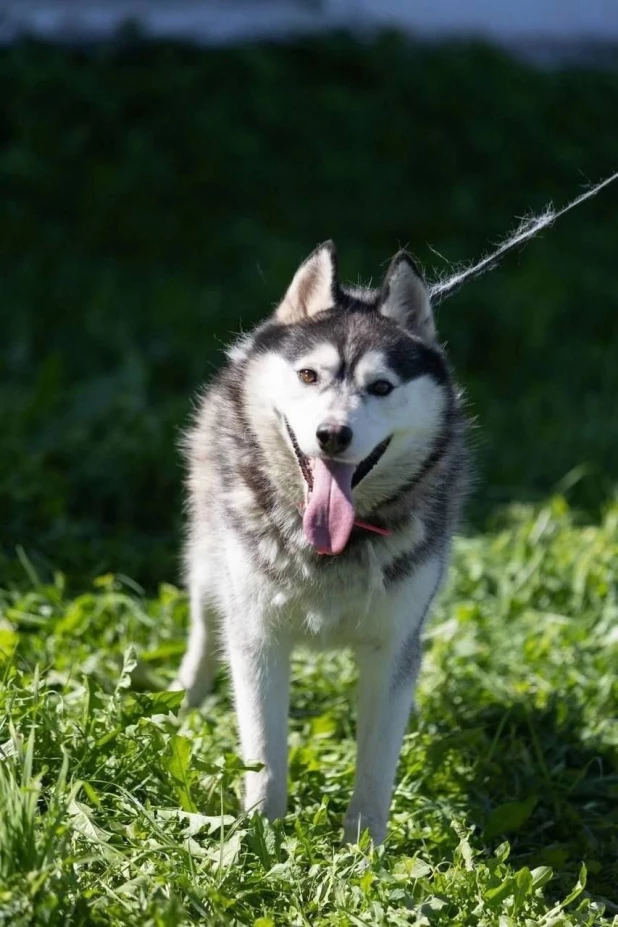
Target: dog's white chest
<point x="331" y="614"/>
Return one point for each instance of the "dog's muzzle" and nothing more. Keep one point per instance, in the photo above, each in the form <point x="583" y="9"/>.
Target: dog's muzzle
<point x="362" y="470"/>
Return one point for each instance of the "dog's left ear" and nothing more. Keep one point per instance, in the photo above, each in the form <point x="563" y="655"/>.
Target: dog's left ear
<point x="314" y="288"/>
<point x="405" y="298"/>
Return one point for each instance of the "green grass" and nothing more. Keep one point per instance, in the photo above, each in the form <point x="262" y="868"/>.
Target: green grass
<point x="153" y="200"/>
<point x="116" y="809"/>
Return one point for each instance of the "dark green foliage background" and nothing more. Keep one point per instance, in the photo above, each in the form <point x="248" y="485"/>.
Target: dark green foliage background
<point x="155" y="199"/>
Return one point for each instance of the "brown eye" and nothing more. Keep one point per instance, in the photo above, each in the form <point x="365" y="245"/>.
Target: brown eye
<point x="380" y="388"/>
<point x="308" y="376"/>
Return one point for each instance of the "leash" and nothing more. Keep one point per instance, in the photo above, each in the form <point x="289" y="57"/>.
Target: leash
<point x="526" y="230"/>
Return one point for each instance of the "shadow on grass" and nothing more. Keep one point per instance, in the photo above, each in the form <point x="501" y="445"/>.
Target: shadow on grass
<point x="565" y="791"/>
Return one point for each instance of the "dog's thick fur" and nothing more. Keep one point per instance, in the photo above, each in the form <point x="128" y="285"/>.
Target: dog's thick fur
<point x="264" y="577"/>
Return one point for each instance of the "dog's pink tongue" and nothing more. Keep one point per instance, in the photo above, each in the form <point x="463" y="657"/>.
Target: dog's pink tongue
<point x="329" y="516"/>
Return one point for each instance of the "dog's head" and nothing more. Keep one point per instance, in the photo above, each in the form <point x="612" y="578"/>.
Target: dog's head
<point x="355" y="381"/>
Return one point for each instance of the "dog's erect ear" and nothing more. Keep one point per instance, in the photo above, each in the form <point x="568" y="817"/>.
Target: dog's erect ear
<point x="405" y="298"/>
<point x="314" y="287"/>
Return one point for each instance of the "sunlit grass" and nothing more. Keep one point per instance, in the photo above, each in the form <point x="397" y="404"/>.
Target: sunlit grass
<point x="117" y="808"/>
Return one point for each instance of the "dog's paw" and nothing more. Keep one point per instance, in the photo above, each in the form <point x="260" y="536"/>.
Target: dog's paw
<point x="266" y="795"/>
<point x="356" y="822"/>
<point x="196" y="689"/>
<point x="193" y="697"/>
<point x="177" y="686"/>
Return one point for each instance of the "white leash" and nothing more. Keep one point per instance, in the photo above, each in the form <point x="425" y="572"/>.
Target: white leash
<point x="526" y="230"/>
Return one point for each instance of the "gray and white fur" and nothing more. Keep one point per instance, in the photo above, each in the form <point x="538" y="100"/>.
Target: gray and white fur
<point x="298" y="435"/>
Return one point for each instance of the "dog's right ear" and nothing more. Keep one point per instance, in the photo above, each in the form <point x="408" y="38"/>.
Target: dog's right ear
<point x="315" y="286"/>
<point x="405" y="298"/>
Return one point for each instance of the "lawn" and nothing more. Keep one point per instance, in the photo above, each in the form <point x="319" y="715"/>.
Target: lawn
<point x="155" y="199"/>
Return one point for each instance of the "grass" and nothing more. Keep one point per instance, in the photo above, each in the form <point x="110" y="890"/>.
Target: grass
<point x="117" y="809"/>
<point x="153" y="199"/>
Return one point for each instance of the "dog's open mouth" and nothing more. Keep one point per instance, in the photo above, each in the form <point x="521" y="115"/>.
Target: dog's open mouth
<point x="329" y="515"/>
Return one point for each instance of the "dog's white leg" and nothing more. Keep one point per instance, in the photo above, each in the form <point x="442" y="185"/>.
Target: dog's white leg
<point x="387" y="680"/>
<point x="260" y="673"/>
<point x="384" y="706"/>
<point x="199" y="665"/>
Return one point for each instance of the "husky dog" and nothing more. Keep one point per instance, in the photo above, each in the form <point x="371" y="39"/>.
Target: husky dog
<point x="327" y="464"/>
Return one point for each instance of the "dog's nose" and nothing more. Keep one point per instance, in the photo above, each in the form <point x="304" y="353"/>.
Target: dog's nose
<point x="332" y="438"/>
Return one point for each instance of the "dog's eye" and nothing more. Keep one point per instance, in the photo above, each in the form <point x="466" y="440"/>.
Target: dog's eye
<point x="380" y="388"/>
<point x="308" y="376"/>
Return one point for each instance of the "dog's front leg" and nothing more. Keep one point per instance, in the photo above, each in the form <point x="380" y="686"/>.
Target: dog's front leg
<point x="260" y="674"/>
<point x="387" y="678"/>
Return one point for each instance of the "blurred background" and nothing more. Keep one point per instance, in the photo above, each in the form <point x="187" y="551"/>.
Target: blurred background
<point x="165" y="166"/>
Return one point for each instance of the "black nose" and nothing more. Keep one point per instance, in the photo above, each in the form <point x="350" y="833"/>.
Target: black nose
<point x="334" y="439"/>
